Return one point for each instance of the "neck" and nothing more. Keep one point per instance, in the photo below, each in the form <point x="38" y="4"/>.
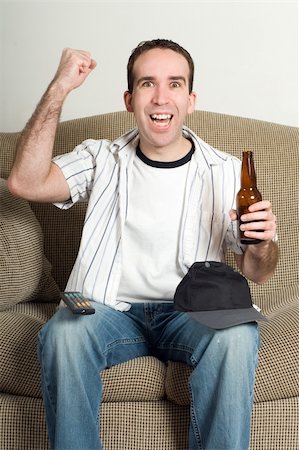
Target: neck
<point x="172" y="152"/>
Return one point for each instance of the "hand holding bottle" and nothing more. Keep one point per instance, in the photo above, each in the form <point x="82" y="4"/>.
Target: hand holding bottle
<point x="259" y="223"/>
<point x="256" y="221"/>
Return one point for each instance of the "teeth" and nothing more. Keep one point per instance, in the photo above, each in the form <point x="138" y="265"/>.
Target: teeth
<point x="161" y="116"/>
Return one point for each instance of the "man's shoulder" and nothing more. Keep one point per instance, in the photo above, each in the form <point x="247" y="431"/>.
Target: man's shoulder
<point x="101" y="147"/>
<point x="127" y="141"/>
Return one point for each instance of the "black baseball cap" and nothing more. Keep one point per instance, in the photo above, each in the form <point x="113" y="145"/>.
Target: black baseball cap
<point x="216" y="295"/>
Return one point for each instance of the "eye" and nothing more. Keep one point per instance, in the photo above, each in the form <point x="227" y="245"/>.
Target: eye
<point x="147" y="83"/>
<point x="175" y="84"/>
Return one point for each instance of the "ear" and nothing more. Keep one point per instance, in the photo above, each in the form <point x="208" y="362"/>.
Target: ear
<point x="128" y="101"/>
<point x="192" y="101"/>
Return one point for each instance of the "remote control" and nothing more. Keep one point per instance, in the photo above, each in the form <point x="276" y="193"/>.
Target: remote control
<point x="77" y="303"/>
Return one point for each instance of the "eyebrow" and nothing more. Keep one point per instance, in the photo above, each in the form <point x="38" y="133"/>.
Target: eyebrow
<point x="171" y="78"/>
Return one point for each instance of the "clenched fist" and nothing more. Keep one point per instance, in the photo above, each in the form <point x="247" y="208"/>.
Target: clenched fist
<point x="73" y="69"/>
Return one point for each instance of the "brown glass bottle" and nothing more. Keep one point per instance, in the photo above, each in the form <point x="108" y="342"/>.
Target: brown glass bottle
<point x="248" y="193"/>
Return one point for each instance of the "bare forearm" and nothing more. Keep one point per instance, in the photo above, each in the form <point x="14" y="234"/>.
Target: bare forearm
<point x="259" y="261"/>
<point x="35" y="146"/>
<point x="43" y="123"/>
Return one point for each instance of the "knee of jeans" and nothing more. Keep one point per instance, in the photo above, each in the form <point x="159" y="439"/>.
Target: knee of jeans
<point x="239" y="339"/>
<point x="236" y="343"/>
<point x="245" y="335"/>
<point x="64" y="330"/>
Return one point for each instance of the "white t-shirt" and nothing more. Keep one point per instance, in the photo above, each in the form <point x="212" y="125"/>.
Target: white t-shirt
<point x="150" y="269"/>
<point x="100" y="172"/>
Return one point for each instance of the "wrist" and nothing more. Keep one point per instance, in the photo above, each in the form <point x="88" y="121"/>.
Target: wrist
<point x="263" y="250"/>
<point x="57" y="91"/>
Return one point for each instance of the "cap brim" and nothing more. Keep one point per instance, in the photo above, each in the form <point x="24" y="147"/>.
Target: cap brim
<point x="226" y="318"/>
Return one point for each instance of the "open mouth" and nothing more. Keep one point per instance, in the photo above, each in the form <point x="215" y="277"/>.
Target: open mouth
<point x="161" y="120"/>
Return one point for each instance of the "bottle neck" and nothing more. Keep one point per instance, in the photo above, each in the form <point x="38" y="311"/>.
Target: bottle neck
<point x="248" y="176"/>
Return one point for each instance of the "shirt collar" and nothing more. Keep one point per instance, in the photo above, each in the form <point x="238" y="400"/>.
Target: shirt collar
<point x="127" y="141"/>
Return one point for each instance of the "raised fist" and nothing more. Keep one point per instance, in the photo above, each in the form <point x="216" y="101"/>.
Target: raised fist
<point x="73" y="69"/>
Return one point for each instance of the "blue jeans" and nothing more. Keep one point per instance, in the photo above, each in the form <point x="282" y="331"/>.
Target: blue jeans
<point x="73" y="350"/>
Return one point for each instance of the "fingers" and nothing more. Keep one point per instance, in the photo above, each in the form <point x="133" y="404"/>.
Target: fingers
<point x="79" y="58"/>
<point x="262" y="205"/>
<point x="260" y="211"/>
<point x="85" y="61"/>
<point x="260" y="222"/>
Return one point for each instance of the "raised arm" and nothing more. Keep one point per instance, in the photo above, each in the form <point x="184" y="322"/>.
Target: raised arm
<point x="33" y="175"/>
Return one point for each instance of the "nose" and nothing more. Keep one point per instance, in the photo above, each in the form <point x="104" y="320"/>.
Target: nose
<point x="160" y="96"/>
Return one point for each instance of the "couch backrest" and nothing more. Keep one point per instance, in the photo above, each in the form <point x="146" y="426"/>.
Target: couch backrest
<point x="275" y="150"/>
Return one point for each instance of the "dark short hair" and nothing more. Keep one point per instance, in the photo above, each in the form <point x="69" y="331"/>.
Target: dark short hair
<point x="163" y="44"/>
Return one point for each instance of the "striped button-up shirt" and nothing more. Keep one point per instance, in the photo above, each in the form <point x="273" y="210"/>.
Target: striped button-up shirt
<point x="100" y="172"/>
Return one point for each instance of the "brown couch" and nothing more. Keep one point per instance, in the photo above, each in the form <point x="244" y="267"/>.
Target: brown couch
<point x="146" y="403"/>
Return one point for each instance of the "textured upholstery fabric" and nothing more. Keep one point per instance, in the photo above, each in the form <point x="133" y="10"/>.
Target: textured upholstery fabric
<point x="138" y="380"/>
<point x="19" y="367"/>
<point x="144" y="425"/>
<point x="22" y="423"/>
<point x="129" y="426"/>
<point x="24" y="271"/>
<point x="146" y="403"/>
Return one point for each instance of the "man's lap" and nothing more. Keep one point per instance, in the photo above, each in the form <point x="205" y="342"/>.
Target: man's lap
<point x="146" y="329"/>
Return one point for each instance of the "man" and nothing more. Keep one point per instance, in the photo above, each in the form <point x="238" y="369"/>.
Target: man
<point x="149" y="218"/>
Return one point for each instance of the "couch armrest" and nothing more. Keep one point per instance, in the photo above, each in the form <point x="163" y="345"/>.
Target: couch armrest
<point x="277" y="373"/>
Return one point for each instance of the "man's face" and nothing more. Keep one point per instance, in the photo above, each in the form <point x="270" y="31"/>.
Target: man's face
<point x="160" y="99"/>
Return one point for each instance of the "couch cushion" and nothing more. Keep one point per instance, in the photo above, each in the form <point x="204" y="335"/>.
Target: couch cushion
<point x="24" y="271"/>
<point x="277" y="372"/>
<point x="22" y="423"/>
<point x="19" y="366"/>
<point x="138" y="380"/>
<point x="176" y="382"/>
<point x="159" y="425"/>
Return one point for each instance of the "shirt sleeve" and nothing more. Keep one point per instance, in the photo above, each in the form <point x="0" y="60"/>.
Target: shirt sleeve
<point x="78" y="168"/>
<point x="231" y="239"/>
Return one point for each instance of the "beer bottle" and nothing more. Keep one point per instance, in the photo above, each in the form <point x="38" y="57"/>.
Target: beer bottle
<point x="248" y="193"/>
